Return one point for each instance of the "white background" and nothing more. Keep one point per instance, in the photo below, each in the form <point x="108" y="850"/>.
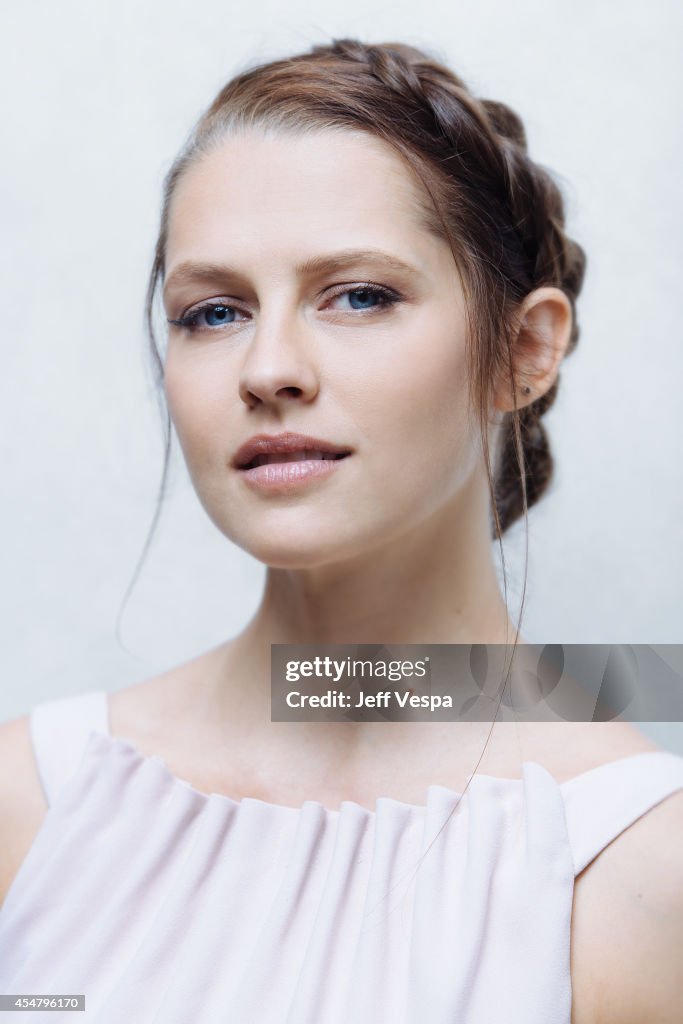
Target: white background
<point x="97" y="99"/>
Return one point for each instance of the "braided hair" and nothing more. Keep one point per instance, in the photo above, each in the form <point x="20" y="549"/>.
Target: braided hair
<point x="501" y="213"/>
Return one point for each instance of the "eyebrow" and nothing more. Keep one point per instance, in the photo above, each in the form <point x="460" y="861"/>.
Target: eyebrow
<point x="192" y="270"/>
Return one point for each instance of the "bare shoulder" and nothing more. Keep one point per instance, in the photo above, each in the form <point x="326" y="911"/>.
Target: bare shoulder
<point x="148" y="712"/>
<point x="627" y="924"/>
<point x="647" y="875"/>
<point x="568" y="749"/>
<point x="22" y="802"/>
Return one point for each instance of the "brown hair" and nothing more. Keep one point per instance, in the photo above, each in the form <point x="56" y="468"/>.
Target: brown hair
<point x="501" y="213"/>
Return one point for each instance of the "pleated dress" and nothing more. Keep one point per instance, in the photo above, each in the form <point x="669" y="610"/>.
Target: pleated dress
<point x="165" y="905"/>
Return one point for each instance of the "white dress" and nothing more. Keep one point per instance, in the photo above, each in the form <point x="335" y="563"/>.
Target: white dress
<point x="165" y="905"/>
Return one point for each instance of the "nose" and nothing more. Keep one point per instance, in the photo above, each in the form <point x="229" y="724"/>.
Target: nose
<point x="278" y="365"/>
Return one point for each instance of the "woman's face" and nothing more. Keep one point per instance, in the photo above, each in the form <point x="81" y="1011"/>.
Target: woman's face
<point x="269" y="345"/>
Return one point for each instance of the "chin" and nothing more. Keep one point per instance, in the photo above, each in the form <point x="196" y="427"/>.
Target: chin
<point x="291" y="555"/>
<point x="294" y="538"/>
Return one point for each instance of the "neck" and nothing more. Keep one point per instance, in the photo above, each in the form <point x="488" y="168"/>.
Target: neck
<point x="435" y="584"/>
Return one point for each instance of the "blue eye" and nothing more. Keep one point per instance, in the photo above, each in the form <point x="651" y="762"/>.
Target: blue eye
<point x="214" y="315"/>
<point x="219" y="315"/>
<point x="368" y="293"/>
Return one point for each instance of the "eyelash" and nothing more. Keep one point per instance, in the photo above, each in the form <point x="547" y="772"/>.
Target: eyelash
<point x="190" y="322"/>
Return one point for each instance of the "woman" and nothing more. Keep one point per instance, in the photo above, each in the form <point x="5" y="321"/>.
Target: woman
<point x="358" y="259"/>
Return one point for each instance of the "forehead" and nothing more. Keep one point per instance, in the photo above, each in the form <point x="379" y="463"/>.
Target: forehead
<point x="297" y="193"/>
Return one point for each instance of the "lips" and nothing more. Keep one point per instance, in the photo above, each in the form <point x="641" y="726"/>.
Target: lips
<point x="300" y="456"/>
<point x="287" y="447"/>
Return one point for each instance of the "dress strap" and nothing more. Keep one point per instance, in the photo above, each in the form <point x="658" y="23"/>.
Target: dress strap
<point x="603" y="801"/>
<point x="60" y="729"/>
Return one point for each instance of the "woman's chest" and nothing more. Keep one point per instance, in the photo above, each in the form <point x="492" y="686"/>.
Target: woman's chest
<point x="301" y="914"/>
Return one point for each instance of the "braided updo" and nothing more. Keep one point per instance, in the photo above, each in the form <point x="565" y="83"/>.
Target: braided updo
<point x="501" y="213"/>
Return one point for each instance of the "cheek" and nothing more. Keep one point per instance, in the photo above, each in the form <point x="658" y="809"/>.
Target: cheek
<point x="199" y="407"/>
<point x="418" y="407"/>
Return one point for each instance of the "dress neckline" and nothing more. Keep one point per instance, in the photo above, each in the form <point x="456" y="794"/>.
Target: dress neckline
<point x="105" y="743"/>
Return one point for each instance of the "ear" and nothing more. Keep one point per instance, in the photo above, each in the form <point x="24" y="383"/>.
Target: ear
<point x="545" y="318"/>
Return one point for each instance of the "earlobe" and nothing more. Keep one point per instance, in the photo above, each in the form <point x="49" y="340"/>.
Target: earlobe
<point x="545" y="324"/>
